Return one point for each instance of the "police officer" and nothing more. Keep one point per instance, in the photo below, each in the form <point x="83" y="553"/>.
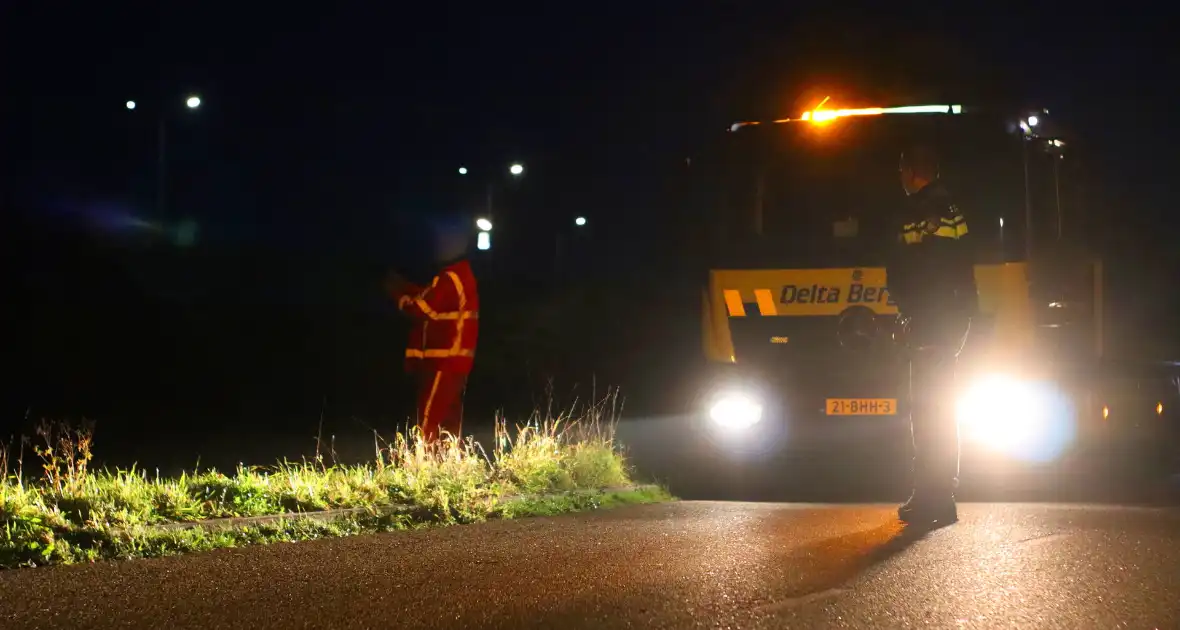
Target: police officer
<point x="931" y="278"/>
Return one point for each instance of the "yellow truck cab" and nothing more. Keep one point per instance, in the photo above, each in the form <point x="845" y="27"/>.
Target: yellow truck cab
<point x="797" y="320"/>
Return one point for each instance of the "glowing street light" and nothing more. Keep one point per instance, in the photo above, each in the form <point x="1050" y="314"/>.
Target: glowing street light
<point x="192" y="102"/>
<point x="1033" y="121"/>
<point x="580" y="221"/>
<point x="484" y="223"/>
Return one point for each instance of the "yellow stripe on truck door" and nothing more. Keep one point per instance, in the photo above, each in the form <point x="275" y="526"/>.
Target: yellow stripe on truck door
<point x="733" y="302"/>
<point x="765" y="302"/>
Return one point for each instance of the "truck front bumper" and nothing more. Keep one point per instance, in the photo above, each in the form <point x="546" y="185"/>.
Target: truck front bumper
<point x="1004" y="419"/>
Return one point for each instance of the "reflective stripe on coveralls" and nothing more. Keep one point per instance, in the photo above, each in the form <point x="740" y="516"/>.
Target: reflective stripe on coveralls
<point x="460" y="316"/>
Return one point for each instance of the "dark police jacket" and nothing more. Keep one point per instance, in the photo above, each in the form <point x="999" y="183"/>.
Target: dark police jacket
<point x="931" y="267"/>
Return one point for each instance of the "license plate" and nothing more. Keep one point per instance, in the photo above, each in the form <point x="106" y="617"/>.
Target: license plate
<point x="861" y="406"/>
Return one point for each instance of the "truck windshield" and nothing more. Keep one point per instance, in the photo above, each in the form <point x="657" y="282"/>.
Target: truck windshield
<point x="801" y="195"/>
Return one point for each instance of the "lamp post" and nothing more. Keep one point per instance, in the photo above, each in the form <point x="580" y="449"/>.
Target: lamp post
<point x="516" y="170"/>
<point x="1057" y="191"/>
<point x="192" y="102"/>
<point x="1003" y="253"/>
<point x="1031" y="131"/>
<point x="1026" y="126"/>
<point x="558" y="259"/>
<point x="484" y="223"/>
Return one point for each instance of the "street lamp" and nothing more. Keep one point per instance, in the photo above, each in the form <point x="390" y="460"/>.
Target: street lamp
<point x="1034" y="132"/>
<point x="580" y="221"/>
<point x="483" y="240"/>
<point x="485" y="222"/>
<point x="1026" y="126"/>
<point x="192" y="102"/>
<point x="1003" y="252"/>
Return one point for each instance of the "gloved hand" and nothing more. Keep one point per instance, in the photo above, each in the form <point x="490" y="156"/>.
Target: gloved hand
<point x="396" y="285"/>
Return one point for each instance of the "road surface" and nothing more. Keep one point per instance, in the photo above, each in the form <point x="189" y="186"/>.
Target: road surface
<point x="679" y="565"/>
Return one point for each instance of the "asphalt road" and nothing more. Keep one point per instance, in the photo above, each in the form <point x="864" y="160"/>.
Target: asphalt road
<point x="680" y="565"/>
<point x="869" y="462"/>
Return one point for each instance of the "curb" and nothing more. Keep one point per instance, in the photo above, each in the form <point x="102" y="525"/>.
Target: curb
<point x="577" y="493"/>
<point x="237" y="522"/>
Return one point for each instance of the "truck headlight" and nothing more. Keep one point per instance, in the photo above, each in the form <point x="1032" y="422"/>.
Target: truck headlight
<point x="735" y="410"/>
<point x="1026" y="419"/>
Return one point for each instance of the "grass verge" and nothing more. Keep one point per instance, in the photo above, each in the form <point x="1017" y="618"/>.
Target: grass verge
<point x="553" y="505"/>
<point x="69" y="514"/>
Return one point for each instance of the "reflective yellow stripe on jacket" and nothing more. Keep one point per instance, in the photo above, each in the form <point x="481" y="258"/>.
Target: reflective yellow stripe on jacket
<point x="952" y="227"/>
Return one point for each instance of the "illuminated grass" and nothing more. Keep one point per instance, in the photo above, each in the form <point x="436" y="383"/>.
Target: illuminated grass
<point x="70" y="514"/>
<point x="582" y="501"/>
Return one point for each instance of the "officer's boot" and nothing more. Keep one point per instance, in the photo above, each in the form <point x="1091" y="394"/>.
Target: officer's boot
<point x="935" y="479"/>
<point x="928" y="506"/>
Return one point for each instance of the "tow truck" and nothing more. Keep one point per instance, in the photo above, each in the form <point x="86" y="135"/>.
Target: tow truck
<point x="798" y="324"/>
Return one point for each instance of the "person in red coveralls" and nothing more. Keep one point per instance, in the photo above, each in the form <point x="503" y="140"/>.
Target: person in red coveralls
<point x="441" y="348"/>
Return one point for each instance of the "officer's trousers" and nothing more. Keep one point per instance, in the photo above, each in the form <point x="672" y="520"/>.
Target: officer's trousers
<point x="933" y="344"/>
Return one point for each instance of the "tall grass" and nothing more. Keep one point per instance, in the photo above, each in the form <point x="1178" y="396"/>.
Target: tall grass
<point x="568" y="450"/>
<point x="68" y="512"/>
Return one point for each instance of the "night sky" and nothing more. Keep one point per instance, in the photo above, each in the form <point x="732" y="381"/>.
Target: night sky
<point x="317" y="124"/>
<point x="313" y="120"/>
<point x="325" y="132"/>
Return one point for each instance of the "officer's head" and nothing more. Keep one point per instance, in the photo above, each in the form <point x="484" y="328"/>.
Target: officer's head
<point x="919" y="167"/>
<point x="452" y="236"/>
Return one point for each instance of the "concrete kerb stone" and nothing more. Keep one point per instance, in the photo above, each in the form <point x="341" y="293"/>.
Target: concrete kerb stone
<point x="240" y="522"/>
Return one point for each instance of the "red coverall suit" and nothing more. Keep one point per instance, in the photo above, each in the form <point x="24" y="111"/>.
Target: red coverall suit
<point x="441" y="348"/>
